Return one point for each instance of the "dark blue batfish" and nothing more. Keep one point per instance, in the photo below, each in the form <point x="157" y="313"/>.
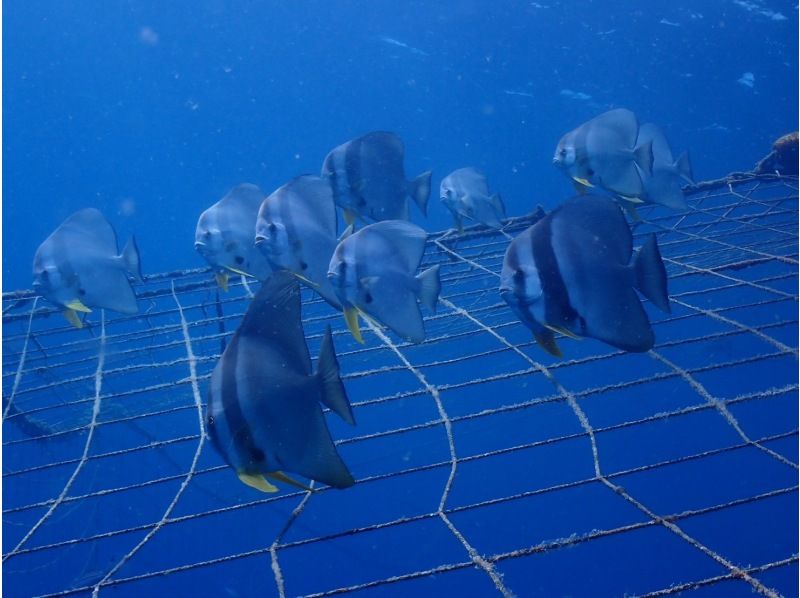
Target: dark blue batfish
<point x="264" y="412"/>
<point x="368" y="179"/>
<point x="79" y="267"/>
<point x="574" y="272"/>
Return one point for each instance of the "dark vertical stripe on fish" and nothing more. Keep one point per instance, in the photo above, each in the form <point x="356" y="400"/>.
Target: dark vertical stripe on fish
<point x="238" y="427"/>
<point x="352" y="166"/>
<point x="558" y="309"/>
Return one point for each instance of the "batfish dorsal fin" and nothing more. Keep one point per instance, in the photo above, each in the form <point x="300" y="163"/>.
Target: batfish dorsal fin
<point x="274" y="317"/>
<point x="245" y="196"/>
<point x="407" y="238"/>
<point x="90" y="223"/>
<point x="315" y="197"/>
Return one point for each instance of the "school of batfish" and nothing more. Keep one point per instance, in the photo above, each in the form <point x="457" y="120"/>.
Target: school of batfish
<point x="572" y="273"/>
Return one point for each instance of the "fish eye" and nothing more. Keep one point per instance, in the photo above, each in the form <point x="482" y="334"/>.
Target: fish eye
<point x="239" y="260"/>
<point x="82" y="292"/>
<point x="272" y="227"/>
<point x="303" y="266"/>
<point x="207" y="234"/>
<point x="563" y="152"/>
<point x="368" y="298"/>
<point x="519" y="275"/>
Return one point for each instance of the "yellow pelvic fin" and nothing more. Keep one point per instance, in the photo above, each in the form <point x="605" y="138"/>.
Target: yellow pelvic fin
<point x="257" y="481"/>
<point x="584" y="182"/>
<point x="76" y="305"/>
<point x="73" y="318"/>
<point x="308" y="281"/>
<point x="351" y="317"/>
<point x="240" y="272"/>
<point x="349" y="217"/>
<point x="279" y="476"/>
<point x="222" y="280"/>
<point x="632" y="199"/>
<point x="564" y="331"/>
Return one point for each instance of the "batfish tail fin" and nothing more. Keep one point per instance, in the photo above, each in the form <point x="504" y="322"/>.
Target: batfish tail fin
<point x="651" y="276"/>
<point x="130" y="257"/>
<point x="420" y="190"/>
<point x="498" y="206"/>
<point x="429" y="287"/>
<point x="683" y="168"/>
<point x="643" y="156"/>
<point x="333" y="393"/>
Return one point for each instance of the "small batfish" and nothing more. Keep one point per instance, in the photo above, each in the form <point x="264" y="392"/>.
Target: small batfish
<point x="79" y="267"/>
<point x="369" y="181"/>
<point x="264" y="413"/>
<point x="224" y="235"/>
<point x="603" y="152"/>
<point x="574" y="272"/>
<point x="466" y="194"/>
<point x="296" y="231"/>
<point x="373" y="272"/>
<point x="664" y="186"/>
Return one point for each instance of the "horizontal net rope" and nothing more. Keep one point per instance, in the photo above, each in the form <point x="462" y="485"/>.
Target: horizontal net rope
<point x="450" y="410"/>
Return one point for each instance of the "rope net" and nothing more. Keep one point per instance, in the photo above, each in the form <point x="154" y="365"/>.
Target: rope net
<point x="483" y="465"/>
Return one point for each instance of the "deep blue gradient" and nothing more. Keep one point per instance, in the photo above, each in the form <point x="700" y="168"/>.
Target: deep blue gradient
<point x="162" y="107"/>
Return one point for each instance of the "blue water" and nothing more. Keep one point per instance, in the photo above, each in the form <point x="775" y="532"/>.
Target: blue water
<point x="164" y="106"/>
<point x="152" y="111"/>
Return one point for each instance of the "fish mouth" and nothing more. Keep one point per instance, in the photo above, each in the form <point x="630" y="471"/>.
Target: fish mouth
<point x="260" y="240"/>
<point x="199" y="246"/>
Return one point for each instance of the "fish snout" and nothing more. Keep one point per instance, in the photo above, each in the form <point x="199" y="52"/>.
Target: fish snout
<point x="199" y="246"/>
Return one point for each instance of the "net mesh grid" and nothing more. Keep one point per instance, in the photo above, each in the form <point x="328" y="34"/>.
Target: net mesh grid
<point x="475" y="447"/>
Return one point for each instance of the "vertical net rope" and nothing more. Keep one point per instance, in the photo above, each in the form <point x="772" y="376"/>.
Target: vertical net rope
<point x="482" y="464"/>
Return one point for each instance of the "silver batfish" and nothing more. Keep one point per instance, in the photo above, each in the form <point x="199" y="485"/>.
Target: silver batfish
<point x="296" y="231"/>
<point x="604" y="152"/>
<point x="224" y="235"/>
<point x="374" y="273"/>
<point x="465" y="193"/>
<point x="79" y="267"/>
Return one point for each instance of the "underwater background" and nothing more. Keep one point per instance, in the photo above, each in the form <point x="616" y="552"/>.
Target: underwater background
<point x="152" y="111"/>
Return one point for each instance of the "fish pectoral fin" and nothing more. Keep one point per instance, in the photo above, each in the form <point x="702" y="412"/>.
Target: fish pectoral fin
<point x="564" y="331"/>
<point x="222" y="280"/>
<point x="72" y="318"/>
<point x="351" y="318"/>
<point x="76" y="305"/>
<point x="240" y="272"/>
<point x="257" y="481"/>
<point x="279" y="476"/>
<point x="547" y="342"/>
<point x="349" y="217"/>
<point x="308" y="281"/>
<point x="584" y="182"/>
<point x="632" y="199"/>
